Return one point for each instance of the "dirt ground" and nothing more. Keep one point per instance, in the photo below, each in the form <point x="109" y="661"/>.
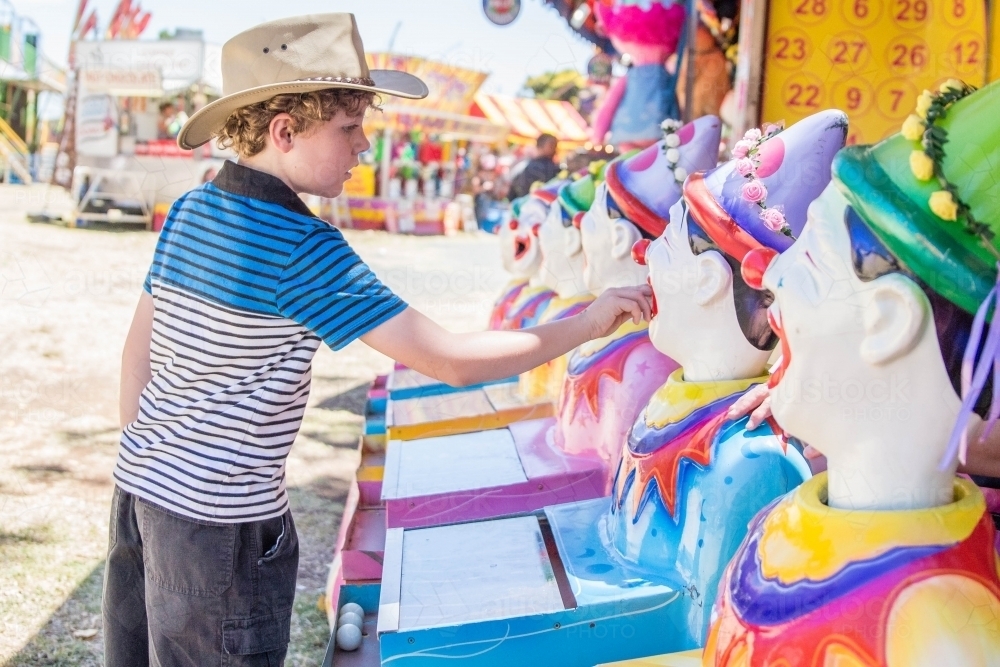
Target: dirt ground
<point x="66" y="300"/>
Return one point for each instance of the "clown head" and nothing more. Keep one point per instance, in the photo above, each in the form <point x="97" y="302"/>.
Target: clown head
<point x="519" y="241"/>
<point x="874" y="304"/>
<point x="646" y="30"/>
<point x="562" y="259"/>
<point x="635" y="202"/>
<point x="707" y="317"/>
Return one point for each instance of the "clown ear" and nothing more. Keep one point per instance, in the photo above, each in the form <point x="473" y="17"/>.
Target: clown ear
<point x="624" y="236"/>
<point x="893" y="319"/>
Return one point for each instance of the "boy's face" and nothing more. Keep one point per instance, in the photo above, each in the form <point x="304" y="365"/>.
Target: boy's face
<point x="321" y="159"/>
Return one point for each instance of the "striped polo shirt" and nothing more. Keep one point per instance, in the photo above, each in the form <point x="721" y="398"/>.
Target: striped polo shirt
<point x="246" y="282"/>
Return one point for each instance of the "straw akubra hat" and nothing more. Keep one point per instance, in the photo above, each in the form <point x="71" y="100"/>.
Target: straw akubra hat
<point x="293" y="55"/>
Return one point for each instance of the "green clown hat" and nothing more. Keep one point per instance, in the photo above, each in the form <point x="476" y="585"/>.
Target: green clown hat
<point x="931" y="194"/>
<point x="515" y="206"/>
<point x="578" y="196"/>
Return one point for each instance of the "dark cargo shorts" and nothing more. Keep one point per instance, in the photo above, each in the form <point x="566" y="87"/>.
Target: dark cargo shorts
<point x="178" y="591"/>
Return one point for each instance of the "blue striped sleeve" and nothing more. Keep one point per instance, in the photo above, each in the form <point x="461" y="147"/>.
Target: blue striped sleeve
<point x="326" y="288"/>
<point x="147" y="284"/>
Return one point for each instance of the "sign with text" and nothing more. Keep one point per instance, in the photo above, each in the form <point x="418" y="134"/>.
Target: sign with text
<point x="870" y="58"/>
<point x="122" y="82"/>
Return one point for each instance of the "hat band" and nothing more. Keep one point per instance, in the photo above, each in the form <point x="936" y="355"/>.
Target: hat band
<point x="716" y="221"/>
<point x="357" y="80"/>
<point x="632" y="206"/>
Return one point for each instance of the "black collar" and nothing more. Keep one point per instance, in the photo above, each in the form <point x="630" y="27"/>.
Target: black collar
<point x="245" y="181"/>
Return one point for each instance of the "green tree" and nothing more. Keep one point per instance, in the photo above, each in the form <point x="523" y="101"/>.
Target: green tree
<point x="563" y="85"/>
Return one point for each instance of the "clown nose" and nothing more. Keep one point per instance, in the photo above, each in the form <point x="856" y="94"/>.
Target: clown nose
<point x="534" y="230"/>
<point x="639" y="251"/>
<point x="754" y="265"/>
<point x="512" y="225"/>
<point x="578" y="219"/>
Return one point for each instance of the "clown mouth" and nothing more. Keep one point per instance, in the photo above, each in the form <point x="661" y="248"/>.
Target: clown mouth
<point x="521" y="246"/>
<point x="777" y="373"/>
<point x="653" y="308"/>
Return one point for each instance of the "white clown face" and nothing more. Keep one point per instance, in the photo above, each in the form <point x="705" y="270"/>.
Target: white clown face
<point x="673" y="271"/>
<point x="557" y="271"/>
<point x="607" y="248"/>
<point x="526" y="258"/>
<point x="505" y="234"/>
<point x="841" y="336"/>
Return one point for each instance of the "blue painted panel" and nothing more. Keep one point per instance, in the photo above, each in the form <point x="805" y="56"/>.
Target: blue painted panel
<point x="375" y="425"/>
<point x="366" y="595"/>
<point x="579" y="637"/>
<point x="440" y="389"/>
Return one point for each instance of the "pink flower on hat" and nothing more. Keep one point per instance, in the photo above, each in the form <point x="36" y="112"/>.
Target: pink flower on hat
<point x="753" y="134"/>
<point x="741" y="149"/>
<point x="754" y="191"/>
<point x="773" y="219"/>
<point x="744" y="166"/>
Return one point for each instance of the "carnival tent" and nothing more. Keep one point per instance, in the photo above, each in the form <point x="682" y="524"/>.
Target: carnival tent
<point x="527" y="118"/>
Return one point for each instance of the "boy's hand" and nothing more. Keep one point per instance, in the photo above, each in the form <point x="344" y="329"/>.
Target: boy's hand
<point x="616" y="306"/>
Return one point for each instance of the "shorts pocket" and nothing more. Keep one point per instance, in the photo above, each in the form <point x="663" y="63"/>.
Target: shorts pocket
<point x="262" y="634"/>
<point x="185" y="556"/>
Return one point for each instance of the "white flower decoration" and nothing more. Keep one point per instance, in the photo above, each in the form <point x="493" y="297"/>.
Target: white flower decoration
<point x="680" y="174"/>
<point x="672" y="141"/>
<point x="673" y="155"/>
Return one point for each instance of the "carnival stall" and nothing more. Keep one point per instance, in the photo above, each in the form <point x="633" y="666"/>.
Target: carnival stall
<point x="643" y="523"/>
<point x="131" y="97"/>
<point x="430" y="156"/>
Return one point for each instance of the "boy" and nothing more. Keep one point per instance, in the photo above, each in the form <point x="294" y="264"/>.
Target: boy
<point x="245" y="284"/>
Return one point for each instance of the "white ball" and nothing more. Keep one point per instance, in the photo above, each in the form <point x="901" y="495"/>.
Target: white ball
<point x="672" y="141"/>
<point x="673" y="155"/>
<point x="354" y="608"/>
<point x="349" y="637"/>
<point x="350" y="618"/>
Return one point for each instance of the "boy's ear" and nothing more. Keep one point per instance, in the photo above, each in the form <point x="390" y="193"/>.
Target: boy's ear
<point x="280" y="132"/>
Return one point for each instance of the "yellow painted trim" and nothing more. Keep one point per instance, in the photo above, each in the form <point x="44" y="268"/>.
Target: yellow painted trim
<point x="683" y="659"/>
<point x="804" y="538"/>
<point x="498" y="419"/>
<point x="678" y="398"/>
<point x="371" y="473"/>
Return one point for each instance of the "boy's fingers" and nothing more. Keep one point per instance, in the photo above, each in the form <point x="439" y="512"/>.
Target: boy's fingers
<point x="758" y="416"/>
<point x="748" y="402"/>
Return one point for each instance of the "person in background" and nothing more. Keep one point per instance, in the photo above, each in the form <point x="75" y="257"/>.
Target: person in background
<point x="540" y="168"/>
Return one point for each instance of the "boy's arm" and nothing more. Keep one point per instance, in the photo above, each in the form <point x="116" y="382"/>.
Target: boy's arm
<point x="136" y="372"/>
<point x="470" y="358"/>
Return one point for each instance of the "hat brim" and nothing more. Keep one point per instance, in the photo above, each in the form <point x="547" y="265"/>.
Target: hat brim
<point x="203" y="125"/>
<point x="945" y="257"/>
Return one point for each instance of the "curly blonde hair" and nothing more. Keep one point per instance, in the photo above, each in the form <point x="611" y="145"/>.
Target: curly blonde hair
<point x="246" y="128"/>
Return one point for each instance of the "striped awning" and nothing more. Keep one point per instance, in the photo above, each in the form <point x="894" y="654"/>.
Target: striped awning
<point x="528" y="118"/>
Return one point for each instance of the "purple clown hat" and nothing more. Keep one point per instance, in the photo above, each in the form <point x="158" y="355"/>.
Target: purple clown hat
<point x="647" y="184"/>
<point x="759" y="198"/>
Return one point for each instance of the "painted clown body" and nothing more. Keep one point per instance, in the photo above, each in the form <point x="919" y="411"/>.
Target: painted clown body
<point x="690" y="481"/>
<point x="607" y="383"/>
<point x="546" y="380"/>
<point x="812" y="585"/>
<point x="502" y="306"/>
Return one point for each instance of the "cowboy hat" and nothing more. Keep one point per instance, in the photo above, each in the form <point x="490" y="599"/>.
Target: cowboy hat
<point x="293" y="55"/>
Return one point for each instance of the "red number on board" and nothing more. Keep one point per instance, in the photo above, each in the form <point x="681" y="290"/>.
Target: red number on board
<point x="804" y="96"/>
<point x="915" y="56"/>
<point x="811" y="7"/>
<point x="911" y="10"/>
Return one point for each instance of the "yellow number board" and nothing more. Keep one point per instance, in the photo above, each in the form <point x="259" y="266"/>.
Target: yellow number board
<point x="870" y="58"/>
